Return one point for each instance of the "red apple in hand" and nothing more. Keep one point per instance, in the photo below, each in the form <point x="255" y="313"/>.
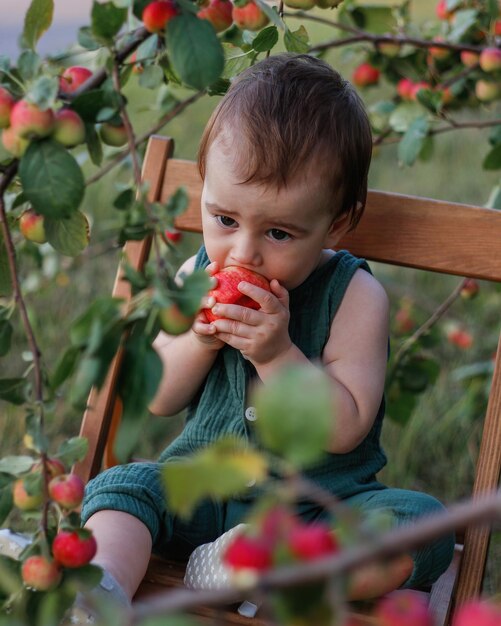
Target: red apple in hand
<point x="74" y="548"/>
<point x="227" y="291"/>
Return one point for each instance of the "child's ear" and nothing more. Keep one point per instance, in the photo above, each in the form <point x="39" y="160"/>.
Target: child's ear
<point x="339" y="227"/>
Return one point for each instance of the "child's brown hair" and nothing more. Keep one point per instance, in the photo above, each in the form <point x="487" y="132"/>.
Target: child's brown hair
<point x="293" y="111"/>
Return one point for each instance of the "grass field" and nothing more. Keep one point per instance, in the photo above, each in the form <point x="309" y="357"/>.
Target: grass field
<point x="436" y="451"/>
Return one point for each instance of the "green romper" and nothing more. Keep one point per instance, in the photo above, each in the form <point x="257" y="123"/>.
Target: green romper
<point x="221" y="407"/>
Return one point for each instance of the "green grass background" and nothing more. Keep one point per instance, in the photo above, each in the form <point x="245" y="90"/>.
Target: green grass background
<point x="436" y="451"/>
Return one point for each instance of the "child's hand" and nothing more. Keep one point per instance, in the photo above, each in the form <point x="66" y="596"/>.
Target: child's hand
<point x="202" y="330"/>
<point x="262" y="335"/>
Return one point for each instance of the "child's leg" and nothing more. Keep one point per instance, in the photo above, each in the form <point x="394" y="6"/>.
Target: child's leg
<point x="423" y="566"/>
<point x="416" y="570"/>
<point x="124" y="547"/>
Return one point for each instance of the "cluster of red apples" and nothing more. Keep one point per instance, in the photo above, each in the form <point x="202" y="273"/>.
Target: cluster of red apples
<point x="246" y="14"/>
<point x="23" y="121"/>
<point x="71" y="547"/>
<point x="279" y="537"/>
<point x="486" y="63"/>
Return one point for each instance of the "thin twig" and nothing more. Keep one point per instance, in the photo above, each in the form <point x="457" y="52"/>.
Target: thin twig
<point x="6" y="180"/>
<point x="359" y="35"/>
<point x="424" y="328"/>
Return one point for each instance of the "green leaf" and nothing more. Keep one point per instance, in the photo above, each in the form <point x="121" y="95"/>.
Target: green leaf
<point x="125" y="199"/>
<point x="195" y="51"/>
<point x="73" y="450"/>
<point x="416" y="374"/>
<point x="177" y="203"/>
<point x="236" y="61"/>
<point x="65" y="366"/>
<point x="412" y="142"/>
<point x="107" y="20"/>
<point x="222" y="470"/>
<point x="494" y="201"/>
<point x="272" y="14"/>
<point x="378" y="20"/>
<point x="106" y="310"/>
<point x="68" y="235"/>
<point x="151" y="77"/>
<point x="86" y="39"/>
<point x="493" y="159"/>
<point x="463" y="21"/>
<point x="400" y="405"/>
<point x="29" y="64"/>
<point x="16" y="465"/>
<point x="37" y="20"/>
<point x="297" y="40"/>
<point x="194" y="288"/>
<point x="43" y="91"/>
<point x="14" y="390"/>
<point x="90" y="104"/>
<point x="141" y="375"/>
<point x="295" y="415"/>
<point x="5" y="277"/>
<point x="52" y="179"/>
<point x="5" y="336"/>
<point x="266" y="39"/>
<point x="94" y="145"/>
<point x="404" y="115"/>
<point x="35" y="438"/>
<point x="88" y="576"/>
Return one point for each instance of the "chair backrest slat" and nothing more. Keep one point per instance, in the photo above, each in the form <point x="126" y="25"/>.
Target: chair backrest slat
<point x="427" y="234"/>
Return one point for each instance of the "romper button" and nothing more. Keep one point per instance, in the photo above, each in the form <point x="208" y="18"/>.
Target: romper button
<point x="250" y="413"/>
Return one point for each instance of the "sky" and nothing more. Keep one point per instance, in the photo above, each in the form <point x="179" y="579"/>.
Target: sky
<point x="69" y="15"/>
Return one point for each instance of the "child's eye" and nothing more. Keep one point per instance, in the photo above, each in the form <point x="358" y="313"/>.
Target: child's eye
<point x="225" y="221"/>
<point x="278" y="235"/>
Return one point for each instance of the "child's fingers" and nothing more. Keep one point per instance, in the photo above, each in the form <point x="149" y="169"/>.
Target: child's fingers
<point x="269" y="301"/>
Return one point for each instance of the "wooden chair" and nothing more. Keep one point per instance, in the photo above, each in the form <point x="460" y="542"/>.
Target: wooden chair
<point x="401" y="230"/>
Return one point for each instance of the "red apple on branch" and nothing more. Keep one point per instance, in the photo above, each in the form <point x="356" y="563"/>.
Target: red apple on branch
<point x="249" y="16"/>
<point x="29" y="121"/>
<point x="74" y="548"/>
<point x="24" y="500"/>
<point x="173" y="321"/>
<point x="226" y="291"/>
<point x="72" y="78"/>
<point x="31" y="225"/>
<point x="403" y="607"/>
<point x="69" y="128"/>
<point x="41" y="573"/>
<point x="365" y="75"/>
<point x="67" y="490"/>
<point x="113" y="134"/>
<point x="13" y="143"/>
<point x="218" y="13"/>
<point x="477" y="613"/>
<point x="308" y="542"/>
<point x="157" y="15"/>
<point x="6" y="105"/>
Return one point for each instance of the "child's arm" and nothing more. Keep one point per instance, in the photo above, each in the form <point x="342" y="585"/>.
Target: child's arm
<point x="354" y="358"/>
<point x="186" y="359"/>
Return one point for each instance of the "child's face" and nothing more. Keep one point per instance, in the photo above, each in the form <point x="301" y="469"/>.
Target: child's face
<point x="279" y="234"/>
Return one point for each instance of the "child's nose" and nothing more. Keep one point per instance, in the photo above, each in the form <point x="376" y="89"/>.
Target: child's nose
<point x="245" y="252"/>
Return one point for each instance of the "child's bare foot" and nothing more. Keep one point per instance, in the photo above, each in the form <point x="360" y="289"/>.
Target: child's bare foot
<point x="376" y="579"/>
